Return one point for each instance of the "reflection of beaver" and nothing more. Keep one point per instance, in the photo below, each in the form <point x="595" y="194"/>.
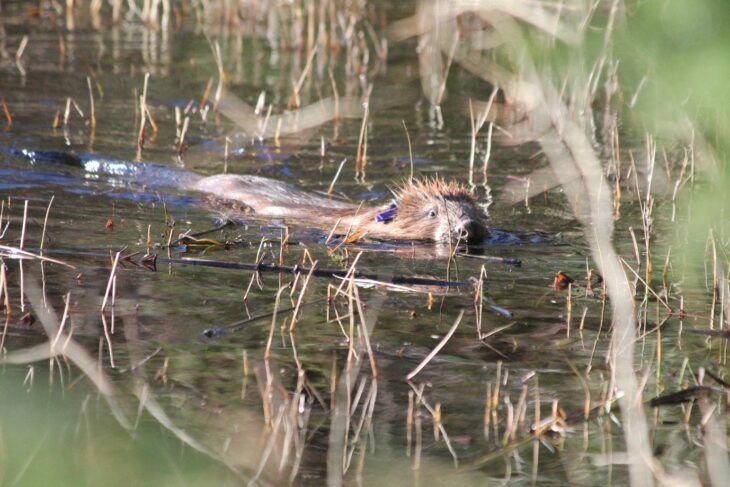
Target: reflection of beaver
<point x="431" y="210"/>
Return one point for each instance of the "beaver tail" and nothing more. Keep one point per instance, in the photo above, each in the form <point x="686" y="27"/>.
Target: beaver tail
<point x="141" y="173"/>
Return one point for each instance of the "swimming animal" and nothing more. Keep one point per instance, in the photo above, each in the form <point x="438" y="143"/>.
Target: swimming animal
<point x="426" y="210"/>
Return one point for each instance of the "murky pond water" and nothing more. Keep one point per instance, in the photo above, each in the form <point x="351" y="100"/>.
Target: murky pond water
<point x="251" y="399"/>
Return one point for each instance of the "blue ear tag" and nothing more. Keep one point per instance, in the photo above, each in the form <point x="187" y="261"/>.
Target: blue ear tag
<point x="387" y="215"/>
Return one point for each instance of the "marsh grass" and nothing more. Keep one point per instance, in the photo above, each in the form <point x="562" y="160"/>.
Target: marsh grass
<point x="329" y="418"/>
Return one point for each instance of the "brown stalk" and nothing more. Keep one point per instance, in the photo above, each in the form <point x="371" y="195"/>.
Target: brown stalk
<point x="437" y="348"/>
<point x="361" y="158"/>
<point x="6" y="303"/>
<point x="22" y="254"/>
<point x="20" y="262"/>
<point x="19" y="55"/>
<point x="221" y="76"/>
<point x="148" y="402"/>
<point x="92" y="109"/>
<point x="142" y="117"/>
<point x="410" y="148"/>
<point x="206" y="94"/>
<point x="70" y="349"/>
<point x="334" y="179"/>
<point x="339" y="414"/>
<point x="364" y="329"/>
<point x="45" y="225"/>
<point x="269" y="341"/>
<point x="295" y="314"/>
<point x="421" y="400"/>
<point x="6" y="111"/>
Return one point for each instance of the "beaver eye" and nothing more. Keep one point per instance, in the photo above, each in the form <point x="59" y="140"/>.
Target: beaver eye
<point x="432" y="214"/>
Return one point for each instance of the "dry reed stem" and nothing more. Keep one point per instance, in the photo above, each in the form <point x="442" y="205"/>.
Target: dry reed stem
<point x="437" y="348"/>
<point x="305" y="72"/>
<point x="269" y="341"/>
<point x="266" y="122"/>
<point x="334" y="180"/>
<point x="142" y="116"/>
<point x="16" y="253"/>
<point x="339" y="413"/>
<point x="109" y="288"/>
<point x="109" y="282"/>
<point x="410" y="147"/>
<point x="659" y="299"/>
<point x="562" y="138"/>
<point x="300" y="120"/>
<point x="569" y="152"/>
<point x="487" y="152"/>
<point x="409" y="423"/>
<point x="364" y="328"/>
<point x="365" y="417"/>
<point x="6" y="112"/>
<point x="183" y="132"/>
<point x="269" y="446"/>
<point x="92" y="109"/>
<point x="61" y="327"/>
<point x="67" y="111"/>
<point x="564" y="143"/>
<point x="362" y="156"/>
<point x="293" y="324"/>
<point x="350" y="271"/>
<point x="487" y="410"/>
<point x="153" y="124"/>
<point x="19" y="55"/>
<point x="437" y="423"/>
<point x="221" y="75"/>
<point x="70" y="349"/>
<point x="147" y="400"/>
<point x="447" y="69"/>
<point x="20" y="262"/>
<point x="206" y="95"/>
<point x="6" y="304"/>
<point x="45" y="225"/>
<point x="715" y="441"/>
<point x="332" y="232"/>
<point x="419" y="433"/>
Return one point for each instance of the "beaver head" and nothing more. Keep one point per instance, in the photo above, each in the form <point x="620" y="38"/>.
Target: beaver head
<point x="432" y="209"/>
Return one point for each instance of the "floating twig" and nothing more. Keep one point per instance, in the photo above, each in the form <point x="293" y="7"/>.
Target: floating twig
<point x="16" y="253"/>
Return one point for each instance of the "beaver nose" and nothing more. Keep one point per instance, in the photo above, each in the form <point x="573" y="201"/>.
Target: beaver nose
<point x="470" y="231"/>
<point x="462" y="232"/>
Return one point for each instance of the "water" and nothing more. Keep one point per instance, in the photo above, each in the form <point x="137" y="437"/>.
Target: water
<point x="215" y="423"/>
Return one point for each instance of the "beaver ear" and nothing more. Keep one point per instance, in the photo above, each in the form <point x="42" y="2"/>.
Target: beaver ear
<point x="387" y="215"/>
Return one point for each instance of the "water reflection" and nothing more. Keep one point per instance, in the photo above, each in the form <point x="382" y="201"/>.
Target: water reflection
<point x="309" y="379"/>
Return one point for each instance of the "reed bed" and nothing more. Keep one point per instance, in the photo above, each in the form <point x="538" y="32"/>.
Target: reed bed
<point x="304" y="415"/>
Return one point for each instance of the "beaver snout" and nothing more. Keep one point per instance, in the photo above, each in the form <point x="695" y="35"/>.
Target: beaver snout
<point x="471" y="231"/>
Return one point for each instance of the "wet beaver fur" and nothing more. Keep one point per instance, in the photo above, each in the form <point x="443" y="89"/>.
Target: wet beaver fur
<point x="427" y="210"/>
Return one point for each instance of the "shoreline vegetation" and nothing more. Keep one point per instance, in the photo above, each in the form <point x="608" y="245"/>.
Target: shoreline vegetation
<point x="636" y="156"/>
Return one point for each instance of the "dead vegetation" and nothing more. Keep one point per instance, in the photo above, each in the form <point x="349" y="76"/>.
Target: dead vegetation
<point x="523" y="101"/>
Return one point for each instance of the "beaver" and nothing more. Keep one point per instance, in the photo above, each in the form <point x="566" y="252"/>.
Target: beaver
<point x="427" y="209"/>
